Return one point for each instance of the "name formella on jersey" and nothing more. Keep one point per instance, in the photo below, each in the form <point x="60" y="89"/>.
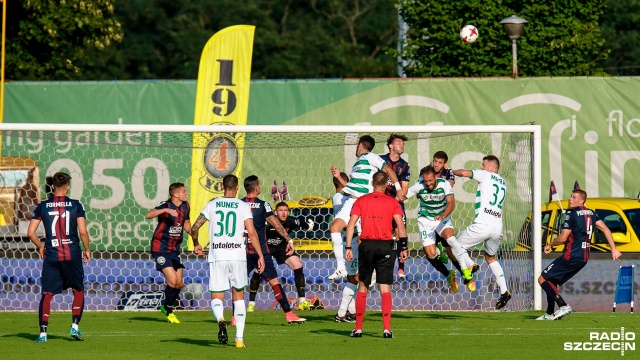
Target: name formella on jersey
<point x="58" y="204"/>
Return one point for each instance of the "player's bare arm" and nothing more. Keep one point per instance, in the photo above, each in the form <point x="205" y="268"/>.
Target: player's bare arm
<point x="350" y="230"/>
<point x="463" y="173"/>
<point x="187" y="226"/>
<point x="615" y="254"/>
<point x="451" y="205"/>
<point x="253" y="236"/>
<point x="273" y="221"/>
<point x="197" y="248"/>
<point x="336" y="174"/>
<point x="31" y="233"/>
<point x="84" y="236"/>
<point x="561" y="239"/>
<point x="157" y="212"/>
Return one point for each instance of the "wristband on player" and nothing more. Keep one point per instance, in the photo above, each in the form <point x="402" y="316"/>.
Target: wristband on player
<point x="348" y="247"/>
<point x="404" y="243"/>
<point x="397" y="185"/>
<point x="290" y="241"/>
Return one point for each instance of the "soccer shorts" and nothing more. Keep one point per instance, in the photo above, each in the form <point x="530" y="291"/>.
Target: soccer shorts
<point x="378" y="255"/>
<point x="562" y="270"/>
<point x="345" y="210"/>
<point x="280" y="253"/>
<point x="428" y="229"/>
<point x="225" y="273"/>
<point x="269" y="268"/>
<point x="61" y="275"/>
<point x="165" y="260"/>
<point x="477" y="233"/>
<point x="352" y="266"/>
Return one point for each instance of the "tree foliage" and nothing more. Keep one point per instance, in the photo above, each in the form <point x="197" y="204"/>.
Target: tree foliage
<point x="619" y="25"/>
<point x="561" y="39"/>
<point x="293" y="39"/>
<point x="47" y="39"/>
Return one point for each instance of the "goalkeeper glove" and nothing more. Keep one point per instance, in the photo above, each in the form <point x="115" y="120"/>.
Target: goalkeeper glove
<point x="310" y="223"/>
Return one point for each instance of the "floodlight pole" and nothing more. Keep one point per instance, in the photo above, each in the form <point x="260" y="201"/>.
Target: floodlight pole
<point x="514" y="26"/>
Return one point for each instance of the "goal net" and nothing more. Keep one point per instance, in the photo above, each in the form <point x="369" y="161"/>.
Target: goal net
<point x="120" y="172"/>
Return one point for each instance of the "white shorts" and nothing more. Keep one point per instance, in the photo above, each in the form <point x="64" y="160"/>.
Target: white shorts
<point x="345" y="211"/>
<point x="477" y="233"/>
<point x="225" y="273"/>
<point x="428" y="229"/>
<point x="352" y="266"/>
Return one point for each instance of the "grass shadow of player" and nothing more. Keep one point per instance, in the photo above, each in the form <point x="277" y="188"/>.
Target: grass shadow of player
<point x="202" y="342"/>
<point x="31" y="337"/>
<point x="148" y="318"/>
<point x="341" y="332"/>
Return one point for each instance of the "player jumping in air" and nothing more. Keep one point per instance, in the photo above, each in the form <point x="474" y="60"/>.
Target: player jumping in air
<point x="400" y="167"/>
<point x="437" y="202"/>
<point x="359" y="184"/>
<point x="487" y="225"/>
<point x="173" y="218"/>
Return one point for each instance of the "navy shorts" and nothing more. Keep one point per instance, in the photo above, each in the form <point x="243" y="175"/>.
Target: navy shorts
<point x="269" y="269"/>
<point x="61" y="275"/>
<point x="165" y="260"/>
<point x="561" y="270"/>
<point x="280" y="254"/>
<point x="378" y="255"/>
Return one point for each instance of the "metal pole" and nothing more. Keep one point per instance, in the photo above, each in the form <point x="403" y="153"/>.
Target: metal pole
<point x="4" y="21"/>
<point x="514" y="49"/>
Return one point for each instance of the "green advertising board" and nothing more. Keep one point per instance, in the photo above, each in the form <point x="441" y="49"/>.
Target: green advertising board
<point x="590" y="131"/>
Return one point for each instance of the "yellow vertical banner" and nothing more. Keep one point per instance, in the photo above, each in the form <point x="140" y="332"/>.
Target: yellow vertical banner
<point x="222" y="98"/>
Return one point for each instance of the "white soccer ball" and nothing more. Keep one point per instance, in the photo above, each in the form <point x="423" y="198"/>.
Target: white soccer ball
<point x="192" y="291"/>
<point x="469" y="33"/>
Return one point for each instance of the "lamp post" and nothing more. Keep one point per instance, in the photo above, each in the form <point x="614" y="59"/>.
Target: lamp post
<point x="514" y="26"/>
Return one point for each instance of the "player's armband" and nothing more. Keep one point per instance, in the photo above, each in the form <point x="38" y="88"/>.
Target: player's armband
<point x="397" y="185"/>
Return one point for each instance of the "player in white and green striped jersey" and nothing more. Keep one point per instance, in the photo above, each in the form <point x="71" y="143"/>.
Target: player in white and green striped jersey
<point x="487" y="225"/>
<point x="359" y="184"/>
<point x="437" y="202"/>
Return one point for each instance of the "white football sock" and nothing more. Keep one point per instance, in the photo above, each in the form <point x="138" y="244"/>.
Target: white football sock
<point x="458" y="251"/>
<point x="338" y="250"/>
<point x="239" y="311"/>
<point x="218" y="309"/>
<point x="499" y="275"/>
<point x="348" y="292"/>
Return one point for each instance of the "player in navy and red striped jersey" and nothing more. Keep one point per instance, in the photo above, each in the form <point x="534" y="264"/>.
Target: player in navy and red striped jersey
<point x="65" y="225"/>
<point x="400" y="167"/>
<point x="439" y="163"/>
<point x="576" y="235"/>
<point x="278" y="248"/>
<point x="262" y="214"/>
<point x="173" y="219"/>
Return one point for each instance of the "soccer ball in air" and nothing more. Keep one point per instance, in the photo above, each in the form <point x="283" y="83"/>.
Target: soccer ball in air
<point x="469" y="33"/>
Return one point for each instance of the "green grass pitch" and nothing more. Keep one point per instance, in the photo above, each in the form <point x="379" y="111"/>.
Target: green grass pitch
<point x="418" y="335"/>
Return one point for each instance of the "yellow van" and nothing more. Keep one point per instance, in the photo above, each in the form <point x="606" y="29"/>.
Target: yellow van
<point x="320" y="210"/>
<point x="621" y="215"/>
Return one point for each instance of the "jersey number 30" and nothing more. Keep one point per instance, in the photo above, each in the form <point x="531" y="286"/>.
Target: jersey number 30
<point x="226" y="223"/>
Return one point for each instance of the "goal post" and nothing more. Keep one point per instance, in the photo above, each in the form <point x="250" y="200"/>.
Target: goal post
<point x="119" y="172"/>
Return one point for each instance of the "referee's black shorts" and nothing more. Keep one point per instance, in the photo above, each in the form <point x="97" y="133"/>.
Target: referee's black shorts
<point x="378" y="255"/>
